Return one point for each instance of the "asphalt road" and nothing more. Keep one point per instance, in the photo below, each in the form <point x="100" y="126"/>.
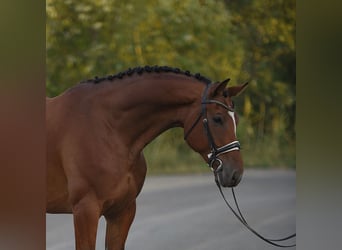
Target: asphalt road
<point x="187" y="213"/>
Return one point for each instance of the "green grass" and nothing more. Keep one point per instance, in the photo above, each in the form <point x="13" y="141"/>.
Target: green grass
<point x="269" y="153"/>
<point x="169" y="154"/>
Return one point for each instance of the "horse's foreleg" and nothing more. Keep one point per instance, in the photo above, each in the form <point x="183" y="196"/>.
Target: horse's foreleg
<point x="118" y="227"/>
<point x="86" y="215"/>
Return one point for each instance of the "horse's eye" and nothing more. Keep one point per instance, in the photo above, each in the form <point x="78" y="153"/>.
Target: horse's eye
<point x="218" y="120"/>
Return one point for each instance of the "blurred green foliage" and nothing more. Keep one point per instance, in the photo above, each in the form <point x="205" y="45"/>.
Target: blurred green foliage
<point x="249" y="40"/>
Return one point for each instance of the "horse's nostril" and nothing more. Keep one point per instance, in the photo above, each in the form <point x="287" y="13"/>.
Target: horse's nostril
<point x="236" y="177"/>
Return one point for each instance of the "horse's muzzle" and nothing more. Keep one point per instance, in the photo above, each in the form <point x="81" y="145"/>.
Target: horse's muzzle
<point x="228" y="177"/>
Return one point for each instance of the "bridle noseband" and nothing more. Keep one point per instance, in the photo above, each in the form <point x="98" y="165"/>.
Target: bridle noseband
<point x="214" y="150"/>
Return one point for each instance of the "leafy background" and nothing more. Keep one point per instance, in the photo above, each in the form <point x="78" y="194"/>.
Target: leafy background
<point x="247" y="40"/>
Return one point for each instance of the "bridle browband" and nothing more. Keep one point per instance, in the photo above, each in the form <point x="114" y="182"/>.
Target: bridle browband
<point x="214" y="150"/>
<point x="213" y="158"/>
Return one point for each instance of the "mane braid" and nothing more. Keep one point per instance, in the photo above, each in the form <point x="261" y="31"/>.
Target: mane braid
<point x="147" y="69"/>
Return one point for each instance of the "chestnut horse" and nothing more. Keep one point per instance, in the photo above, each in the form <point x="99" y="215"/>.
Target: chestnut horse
<point x="97" y="130"/>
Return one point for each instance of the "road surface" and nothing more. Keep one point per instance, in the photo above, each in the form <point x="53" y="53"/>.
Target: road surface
<point x="187" y="213"/>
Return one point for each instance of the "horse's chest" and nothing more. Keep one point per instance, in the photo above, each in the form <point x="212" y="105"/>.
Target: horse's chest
<point x="121" y="196"/>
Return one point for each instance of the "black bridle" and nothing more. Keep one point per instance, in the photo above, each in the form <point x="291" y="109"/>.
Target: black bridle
<point x="213" y="158"/>
<point x="214" y="150"/>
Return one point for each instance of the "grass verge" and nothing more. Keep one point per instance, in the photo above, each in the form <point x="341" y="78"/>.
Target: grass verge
<point x="169" y="154"/>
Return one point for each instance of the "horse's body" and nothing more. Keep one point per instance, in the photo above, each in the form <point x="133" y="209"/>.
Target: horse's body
<point x="95" y="137"/>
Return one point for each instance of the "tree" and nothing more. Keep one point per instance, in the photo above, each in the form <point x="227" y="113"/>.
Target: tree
<point x="94" y="37"/>
<point x="267" y="31"/>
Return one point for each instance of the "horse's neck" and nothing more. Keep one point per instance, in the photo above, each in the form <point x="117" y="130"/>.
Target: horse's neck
<point x="142" y="109"/>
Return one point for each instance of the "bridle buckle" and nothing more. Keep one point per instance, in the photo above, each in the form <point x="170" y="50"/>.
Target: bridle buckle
<point x="219" y="167"/>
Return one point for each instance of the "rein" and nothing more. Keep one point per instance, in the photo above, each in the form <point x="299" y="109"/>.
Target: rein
<point x="213" y="158"/>
<point x="241" y="218"/>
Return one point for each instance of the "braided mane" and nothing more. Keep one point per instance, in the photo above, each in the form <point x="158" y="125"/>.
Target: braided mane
<point x="148" y="69"/>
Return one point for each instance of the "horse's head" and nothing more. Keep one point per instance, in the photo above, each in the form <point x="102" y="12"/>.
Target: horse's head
<point x="213" y="132"/>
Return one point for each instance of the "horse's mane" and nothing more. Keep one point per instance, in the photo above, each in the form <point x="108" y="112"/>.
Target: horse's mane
<point x="148" y="69"/>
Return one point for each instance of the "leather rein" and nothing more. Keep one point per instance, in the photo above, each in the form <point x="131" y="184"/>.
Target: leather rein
<point x="213" y="158"/>
<point x="241" y="218"/>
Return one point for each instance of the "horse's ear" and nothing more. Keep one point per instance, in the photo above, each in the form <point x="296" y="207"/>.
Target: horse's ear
<point x="235" y="90"/>
<point x="218" y="88"/>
